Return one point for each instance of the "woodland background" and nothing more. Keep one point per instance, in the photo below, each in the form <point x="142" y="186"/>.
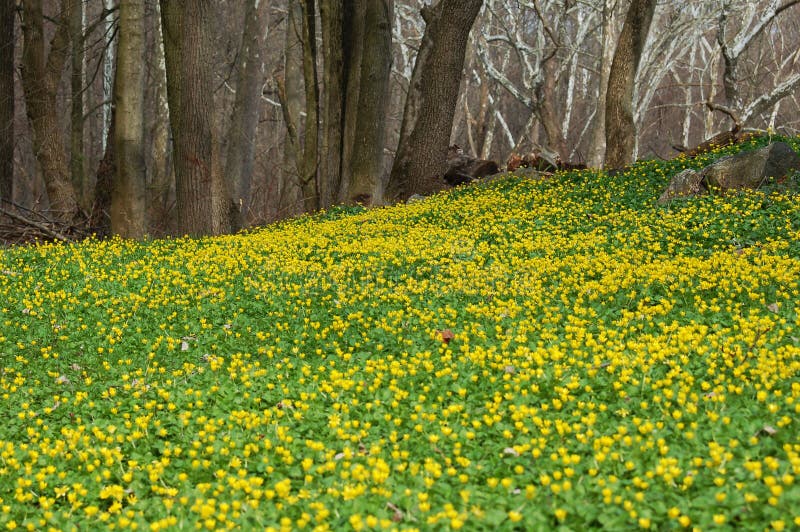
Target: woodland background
<point x="192" y="116"/>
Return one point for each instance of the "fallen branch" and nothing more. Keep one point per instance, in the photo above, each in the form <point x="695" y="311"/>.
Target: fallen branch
<point x="40" y="226"/>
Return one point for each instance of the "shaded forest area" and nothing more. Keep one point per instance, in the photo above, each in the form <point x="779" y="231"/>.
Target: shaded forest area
<point x="138" y="117"/>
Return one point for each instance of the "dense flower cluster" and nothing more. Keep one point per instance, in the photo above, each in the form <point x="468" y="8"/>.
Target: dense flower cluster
<point x="516" y="355"/>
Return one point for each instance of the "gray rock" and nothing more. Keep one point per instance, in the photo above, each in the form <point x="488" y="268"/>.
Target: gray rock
<point x="751" y="170"/>
<point x="746" y="170"/>
<point x="684" y="185"/>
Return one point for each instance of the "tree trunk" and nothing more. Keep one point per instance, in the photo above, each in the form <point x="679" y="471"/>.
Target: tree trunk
<point x="336" y="57"/>
<point x="188" y="58"/>
<point x="290" y="91"/>
<point x="366" y="180"/>
<point x="77" y="167"/>
<point x="242" y="132"/>
<point x="100" y="215"/>
<point x="420" y="161"/>
<point x="620" y="126"/>
<point x="40" y="79"/>
<point x="162" y="180"/>
<point x="6" y="99"/>
<point x="128" y="217"/>
<point x="597" y="146"/>
<point x="309" y="179"/>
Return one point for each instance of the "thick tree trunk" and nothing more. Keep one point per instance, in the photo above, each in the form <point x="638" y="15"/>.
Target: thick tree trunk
<point x="128" y="213"/>
<point x="420" y="161"/>
<point x="335" y="59"/>
<point x="40" y="79"/>
<point x="366" y="180"/>
<point x="620" y="126"/>
<point x="353" y="43"/>
<point x="6" y="99"/>
<point x="244" y="122"/>
<point x="188" y="57"/>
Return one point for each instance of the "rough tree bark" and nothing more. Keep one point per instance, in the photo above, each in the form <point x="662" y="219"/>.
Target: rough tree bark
<point x="336" y="58"/>
<point x="597" y="146"/>
<point x="620" y="126"/>
<point x="365" y="179"/>
<point x="128" y="212"/>
<point x="290" y="92"/>
<point x="420" y="161"/>
<point x="40" y="79"/>
<point x="244" y="122"/>
<point x="309" y="179"/>
<point x="188" y="58"/>
<point x="6" y="99"/>
<point x="76" y="161"/>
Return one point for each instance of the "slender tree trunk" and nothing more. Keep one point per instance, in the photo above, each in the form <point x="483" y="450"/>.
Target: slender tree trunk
<point x="77" y="166"/>
<point x="188" y="56"/>
<point x="128" y="213"/>
<point x="433" y="93"/>
<point x="100" y="215"/>
<point x="366" y="186"/>
<point x="597" y="146"/>
<point x="242" y="132"/>
<point x="620" y="126"/>
<point x="309" y="180"/>
<point x="290" y="90"/>
<point x="40" y="79"/>
<point x="162" y="180"/>
<point x="6" y="99"/>
<point x="548" y="112"/>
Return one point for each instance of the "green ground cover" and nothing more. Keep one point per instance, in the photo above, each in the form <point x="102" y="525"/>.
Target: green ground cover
<point x="520" y="355"/>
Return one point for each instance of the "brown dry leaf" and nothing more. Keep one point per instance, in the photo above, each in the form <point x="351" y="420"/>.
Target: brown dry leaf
<point x="510" y="369"/>
<point x="446" y="335"/>
<point x="184" y="346"/>
<point x="511" y="451"/>
<point x="769" y="429"/>
<point x="773" y="307"/>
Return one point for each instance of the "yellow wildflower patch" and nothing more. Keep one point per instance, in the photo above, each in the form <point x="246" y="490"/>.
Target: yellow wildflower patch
<point x="515" y="355"/>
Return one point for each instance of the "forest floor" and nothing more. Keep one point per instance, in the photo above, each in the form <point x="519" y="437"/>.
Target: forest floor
<point x="517" y="355"/>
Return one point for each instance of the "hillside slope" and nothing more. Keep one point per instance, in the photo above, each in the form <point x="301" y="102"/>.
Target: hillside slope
<point x="516" y="355"/>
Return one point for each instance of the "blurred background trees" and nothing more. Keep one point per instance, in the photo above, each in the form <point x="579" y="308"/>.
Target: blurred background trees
<point x="194" y="116"/>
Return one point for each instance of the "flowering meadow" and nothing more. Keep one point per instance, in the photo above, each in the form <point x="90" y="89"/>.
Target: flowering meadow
<point x="518" y="355"/>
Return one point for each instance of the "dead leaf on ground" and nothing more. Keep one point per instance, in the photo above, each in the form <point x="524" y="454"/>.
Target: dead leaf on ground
<point x="446" y="335"/>
<point x="773" y="307"/>
<point x="769" y="430"/>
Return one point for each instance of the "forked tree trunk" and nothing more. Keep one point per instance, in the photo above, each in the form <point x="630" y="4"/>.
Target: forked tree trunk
<point x="128" y="213"/>
<point x="620" y="126"/>
<point x="40" y="79"/>
<point x="6" y="99"/>
<point x="420" y="161"/>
